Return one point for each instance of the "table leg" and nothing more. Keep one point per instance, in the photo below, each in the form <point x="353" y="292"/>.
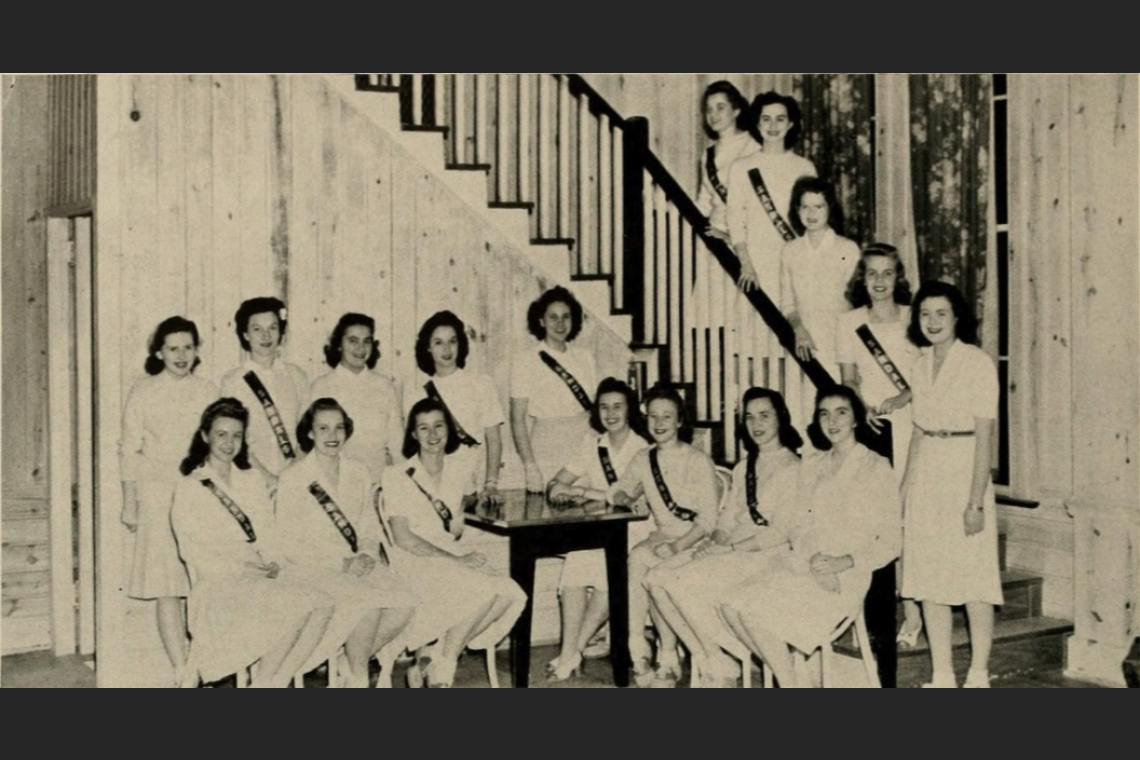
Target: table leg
<point x="522" y="559"/>
<point x="617" y="574"/>
<point x="879" y="608"/>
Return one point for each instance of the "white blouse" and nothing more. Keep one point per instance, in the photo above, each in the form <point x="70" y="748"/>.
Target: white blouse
<point x="471" y="398"/>
<point x="587" y="463"/>
<point x="403" y="499"/>
<point x="288" y="386"/>
<point x="874" y="385"/>
<point x="373" y="403"/>
<point x="160" y="418"/>
<point x="813" y="283"/>
<point x="548" y="395"/>
<point x="727" y="151"/>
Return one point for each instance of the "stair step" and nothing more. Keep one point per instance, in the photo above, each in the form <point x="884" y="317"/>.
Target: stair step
<point x="552" y="241"/>
<point x="1022" y="591"/>
<point x="469" y="167"/>
<point x="425" y="128"/>
<point x="1004" y="631"/>
<point x="511" y="204"/>
<point x="608" y="278"/>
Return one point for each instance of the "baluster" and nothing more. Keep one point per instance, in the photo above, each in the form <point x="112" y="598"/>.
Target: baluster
<point x="525" y="141"/>
<point x="676" y="291"/>
<point x="417" y="98"/>
<point x="459" y="119"/>
<point x="617" y="183"/>
<point x="481" y="113"/>
<point x="563" y="143"/>
<point x="587" y="243"/>
<point x="635" y="137"/>
<point x="501" y="169"/>
<point x="441" y="99"/>
<point x="545" y="165"/>
<point x="733" y="324"/>
<point x="407" y="113"/>
<point x="661" y="258"/>
<point x="682" y="307"/>
<point x="605" y="199"/>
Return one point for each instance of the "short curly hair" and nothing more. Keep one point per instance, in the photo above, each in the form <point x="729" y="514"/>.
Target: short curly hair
<point x="966" y="329"/>
<point x="802" y="187"/>
<point x="789" y="437"/>
<point x="262" y="305"/>
<point x="735" y="99"/>
<point x="425" y="405"/>
<point x="537" y="311"/>
<point x="305" y="426"/>
<point x="169" y="326"/>
<point x="857" y="293"/>
<point x="423" y="340"/>
<point x="795" y="116"/>
<point x="351" y="319"/>
<point x="662" y="392"/>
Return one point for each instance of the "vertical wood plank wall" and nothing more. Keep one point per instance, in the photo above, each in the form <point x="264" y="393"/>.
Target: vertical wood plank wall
<point x="25" y="614"/>
<point x="217" y="189"/>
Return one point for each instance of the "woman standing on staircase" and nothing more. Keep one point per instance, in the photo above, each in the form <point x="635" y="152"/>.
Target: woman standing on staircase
<point x="727" y="125"/>
<point x="950" y="554"/>
<point x="160" y="416"/>
<point x="549" y="384"/>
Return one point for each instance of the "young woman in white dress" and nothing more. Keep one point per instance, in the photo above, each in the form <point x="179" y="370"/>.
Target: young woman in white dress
<point x="370" y="398"/>
<point x="329" y="527"/>
<point x="161" y="414"/>
<point x="758" y="207"/>
<point x="726" y="117"/>
<point x="248" y="604"/>
<point x="880" y="294"/>
<point x="463" y="603"/>
<point x="551" y="384"/>
<point x="950" y="553"/>
<point x="274" y="390"/>
<point x="442" y="349"/>
<point x="847" y="526"/>
<point x="815" y="270"/>
<point x="601" y="458"/>
<point x="753" y="526"/>
<point x="679" y="482"/>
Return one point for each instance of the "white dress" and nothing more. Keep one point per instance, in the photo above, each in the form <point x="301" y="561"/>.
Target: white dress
<point x="473" y="401"/>
<point x="288" y="386"/>
<point x="813" y="283"/>
<point x="940" y="563"/>
<point x="588" y="568"/>
<point x="559" y="419"/>
<point x="160" y="419"/>
<point x="726" y="151"/>
<point x="373" y="403"/>
<point x="748" y="223"/>
<point x="449" y="591"/>
<point x="697" y="586"/>
<point x="691" y="478"/>
<point x="855" y="512"/>
<point x="874" y="385"/>
<point x="236" y="614"/>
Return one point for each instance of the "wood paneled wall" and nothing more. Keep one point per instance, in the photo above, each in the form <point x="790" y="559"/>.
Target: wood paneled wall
<point x="216" y="189"/>
<point x="26" y="555"/>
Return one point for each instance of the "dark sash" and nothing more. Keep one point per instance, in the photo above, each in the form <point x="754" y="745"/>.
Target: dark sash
<point x="876" y="348"/>
<point x="440" y="508"/>
<point x="769" y="205"/>
<point x="333" y="511"/>
<point x="259" y="390"/>
<point x="574" y="386"/>
<point x="383" y="527"/>
<point x="464" y="438"/>
<point x="678" y="511"/>
<point x="607" y="465"/>
<point x="750" y="491"/>
<point x="714" y="178"/>
<point x="233" y="509"/>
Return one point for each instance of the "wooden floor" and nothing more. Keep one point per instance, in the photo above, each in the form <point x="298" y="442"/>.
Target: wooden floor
<point x="1033" y="663"/>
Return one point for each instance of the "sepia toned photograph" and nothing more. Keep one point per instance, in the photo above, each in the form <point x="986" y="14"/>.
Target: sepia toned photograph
<point x="570" y="380"/>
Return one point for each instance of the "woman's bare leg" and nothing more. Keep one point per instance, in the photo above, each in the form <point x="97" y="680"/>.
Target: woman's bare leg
<point x="170" y="612"/>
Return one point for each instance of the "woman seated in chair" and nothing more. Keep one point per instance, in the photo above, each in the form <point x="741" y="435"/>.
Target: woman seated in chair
<point x="464" y="602"/>
<point x="329" y="526"/>
<point x="600" y="458"/>
<point x="753" y="527"/>
<point x="848" y="525"/>
<point x="246" y="603"/>
<point x="679" y="482"/>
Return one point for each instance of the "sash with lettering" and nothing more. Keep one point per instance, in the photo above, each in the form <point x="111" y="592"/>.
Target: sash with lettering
<point x="607" y="465"/>
<point x="678" y="511"/>
<point x="750" y="491"/>
<point x="232" y="508"/>
<point x="333" y="511"/>
<point x="890" y="369"/>
<point x="714" y="177"/>
<point x="574" y="386"/>
<point x="440" y="508"/>
<point x="464" y="437"/>
<point x="262" y="393"/>
<point x="377" y="497"/>
<point x="769" y="205"/>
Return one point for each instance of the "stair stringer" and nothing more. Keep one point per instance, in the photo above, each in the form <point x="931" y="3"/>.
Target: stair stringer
<point x="548" y="262"/>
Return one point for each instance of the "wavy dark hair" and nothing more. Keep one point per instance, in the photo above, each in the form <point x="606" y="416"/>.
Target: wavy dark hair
<point x="229" y="408"/>
<point x="789" y="437"/>
<point x="351" y="319"/>
<point x="305" y="426"/>
<point x="805" y="185"/>
<point x="966" y="329"/>
<point x="423" y="340"/>
<point x="735" y="99"/>
<point x="863" y="432"/>
<point x="169" y="326"/>
<point x="423" y="406"/>
<point x="262" y="305"/>
<point x="795" y="116"/>
<point x="537" y="311"/>
<point x="661" y="392"/>
<point x="857" y="294"/>
<point x="635" y="419"/>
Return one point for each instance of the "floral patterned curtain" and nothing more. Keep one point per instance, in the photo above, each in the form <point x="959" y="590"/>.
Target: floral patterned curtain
<point x="950" y="164"/>
<point x="838" y="139"/>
